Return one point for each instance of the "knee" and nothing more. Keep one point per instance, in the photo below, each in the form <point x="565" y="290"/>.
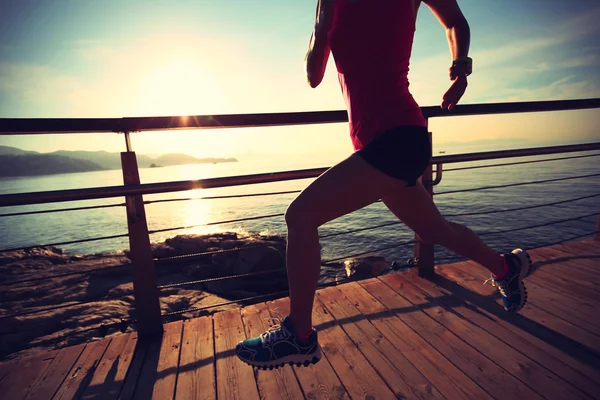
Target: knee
<point x="294" y="215"/>
<point x="298" y="215"/>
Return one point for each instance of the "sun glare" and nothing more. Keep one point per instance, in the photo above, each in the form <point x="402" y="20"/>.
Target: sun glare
<point x="180" y="87"/>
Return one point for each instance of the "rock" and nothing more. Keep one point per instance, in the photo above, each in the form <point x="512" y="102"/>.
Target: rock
<point x="249" y="260"/>
<point x="162" y="250"/>
<point x="366" y="267"/>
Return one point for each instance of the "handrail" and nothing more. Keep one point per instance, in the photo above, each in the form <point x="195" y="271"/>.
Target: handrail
<point x="29" y="126"/>
<point x="211" y="183"/>
<point x="145" y="289"/>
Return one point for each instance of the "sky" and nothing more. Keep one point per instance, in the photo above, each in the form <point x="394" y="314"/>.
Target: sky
<point x="128" y="58"/>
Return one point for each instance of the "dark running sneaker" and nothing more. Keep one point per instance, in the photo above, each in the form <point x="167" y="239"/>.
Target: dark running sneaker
<point x="512" y="289"/>
<point x="279" y="346"/>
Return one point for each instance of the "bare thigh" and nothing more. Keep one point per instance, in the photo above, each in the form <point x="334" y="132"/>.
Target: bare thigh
<point x="346" y="187"/>
<point x="415" y="208"/>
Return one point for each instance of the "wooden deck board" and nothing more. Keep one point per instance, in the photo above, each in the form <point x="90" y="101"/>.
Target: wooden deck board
<point x="466" y="286"/>
<point x="396" y="336"/>
<point x="280" y="383"/>
<point x="318" y="381"/>
<point x="531" y="346"/>
<point x="542" y="317"/>
<point x="55" y="374"/>
<point x="196" y="379"/>
<point x="21" y="376"/>
<point x="399" y="374"/>
<point x="516" y="356"/>
<point x="356" y="373"/>
<point x="235" y="380"/>
<point x="83" y="370"/>
<point x="444" y="375"/>
<point x="474" y="363"/>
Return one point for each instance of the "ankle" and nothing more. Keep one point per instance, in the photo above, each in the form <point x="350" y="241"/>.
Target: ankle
<point x="303" y="331"/>
<point x="503" y="270"/>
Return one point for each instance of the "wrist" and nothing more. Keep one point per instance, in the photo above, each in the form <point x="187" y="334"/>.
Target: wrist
<point x="462" y="66"/>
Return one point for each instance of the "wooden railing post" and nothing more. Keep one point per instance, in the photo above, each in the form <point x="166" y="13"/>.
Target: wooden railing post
<point x="147" y="306"/>
<point x="423" y="252"/>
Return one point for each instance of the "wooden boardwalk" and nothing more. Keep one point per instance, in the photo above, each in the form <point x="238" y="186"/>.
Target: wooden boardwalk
<point x="393" y="337"/>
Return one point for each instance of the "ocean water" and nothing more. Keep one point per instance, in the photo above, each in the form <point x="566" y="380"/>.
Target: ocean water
<point x="22" y="231"/>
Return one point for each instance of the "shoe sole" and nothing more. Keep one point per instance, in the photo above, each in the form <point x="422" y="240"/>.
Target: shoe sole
<point x="299" y="360"/>
<point x="525" y="262"/>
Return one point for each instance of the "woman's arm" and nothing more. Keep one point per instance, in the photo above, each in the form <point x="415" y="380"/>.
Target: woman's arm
<point x="459" y="38"/>
<point x="318" y="50"/>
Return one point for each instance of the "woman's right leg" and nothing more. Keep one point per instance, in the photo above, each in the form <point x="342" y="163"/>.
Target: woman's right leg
<point x="414" y="207"/>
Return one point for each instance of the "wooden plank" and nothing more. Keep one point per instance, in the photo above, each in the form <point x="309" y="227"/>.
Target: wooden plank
<point x="465" y="355"/>
<point x="355" y="372"/>
<point x="272" y="384"/>
<point x="554" y="262"/>
<point x="6" y="368"/>
<point x="564" y="348"/>
<point x="577" y="262"/>
<point x="533" y="347"/>
<point x="159" y="372"/>
<point x="400" y="375"/>
<point x="55" y="374"/>
<point x="196" y="379"/>
<point x="143" y="348"/>
<point x="576" y="311"/>
<point x="81" y="374"/>
<point x="25" y="374"/>
<point x="318" y="381"/>
<point x="444" y="375"/>
<point x="584" y="247"/>
<point x="567" y="284"/>
<point x="577" y="335"/>
<point x="520" y="358"/>
<point x="109" y="376"/>
<point x="235" y="379"/>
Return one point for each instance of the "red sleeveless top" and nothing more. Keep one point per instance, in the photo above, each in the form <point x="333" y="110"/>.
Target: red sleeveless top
<point x="371" y="42"/>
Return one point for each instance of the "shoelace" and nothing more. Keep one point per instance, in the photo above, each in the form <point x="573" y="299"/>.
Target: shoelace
<point x="275" y="332"/>
<point x="501" y="285"/>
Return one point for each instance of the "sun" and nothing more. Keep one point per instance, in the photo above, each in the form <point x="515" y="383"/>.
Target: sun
<point x="180" y="87"/>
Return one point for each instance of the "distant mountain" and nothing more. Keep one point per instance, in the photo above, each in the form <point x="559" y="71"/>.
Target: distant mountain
<point x="18" y="162"/>
<point x="42" y="164"/>
<point x="113" y="160"/>
<point x="13" y="151"/>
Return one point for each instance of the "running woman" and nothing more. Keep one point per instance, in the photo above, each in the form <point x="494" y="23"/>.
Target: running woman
<point x="371" y="42"/>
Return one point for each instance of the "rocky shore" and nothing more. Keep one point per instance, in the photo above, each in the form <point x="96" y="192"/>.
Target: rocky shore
<point x="41" y="287"/>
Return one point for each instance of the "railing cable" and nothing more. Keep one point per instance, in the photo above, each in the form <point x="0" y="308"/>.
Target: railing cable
<point x="516" y="184"/>
<point x="64" y="243"/>
<point x="66" y="274"/>
<point x="61" y="210"/>
<point x="519" y="162"/>
<point x="215" y="223"/>
<point x="232" y="196"/>
<point x="538" y="225"/>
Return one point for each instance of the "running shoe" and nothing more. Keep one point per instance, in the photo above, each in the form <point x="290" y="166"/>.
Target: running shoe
<point x="511" y="287"/>
<point x="278" y="346"/>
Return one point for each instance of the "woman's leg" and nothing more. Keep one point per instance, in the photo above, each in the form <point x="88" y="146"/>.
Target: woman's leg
<point x="346" y="187"/>
<point x="415" y="207"/>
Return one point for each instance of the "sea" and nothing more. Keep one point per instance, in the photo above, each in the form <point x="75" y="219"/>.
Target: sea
<point x="502" y="230"/>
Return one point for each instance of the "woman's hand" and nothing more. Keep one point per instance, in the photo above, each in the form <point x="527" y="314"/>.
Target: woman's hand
<point x="318" y="50"/>
<point x="456" y="91"/>
<point x="324" y="17"/>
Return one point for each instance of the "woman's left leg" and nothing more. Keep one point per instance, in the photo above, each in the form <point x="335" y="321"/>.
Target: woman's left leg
<point x="348" y="186"/>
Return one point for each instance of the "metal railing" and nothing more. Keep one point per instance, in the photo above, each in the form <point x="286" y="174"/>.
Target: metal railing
<point x="146" y="291"/>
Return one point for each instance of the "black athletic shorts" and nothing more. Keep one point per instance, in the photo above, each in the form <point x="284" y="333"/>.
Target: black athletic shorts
<point x="403" y="152"/>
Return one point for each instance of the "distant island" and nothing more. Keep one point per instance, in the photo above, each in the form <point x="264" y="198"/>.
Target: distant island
<point x="16" y="162"/>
